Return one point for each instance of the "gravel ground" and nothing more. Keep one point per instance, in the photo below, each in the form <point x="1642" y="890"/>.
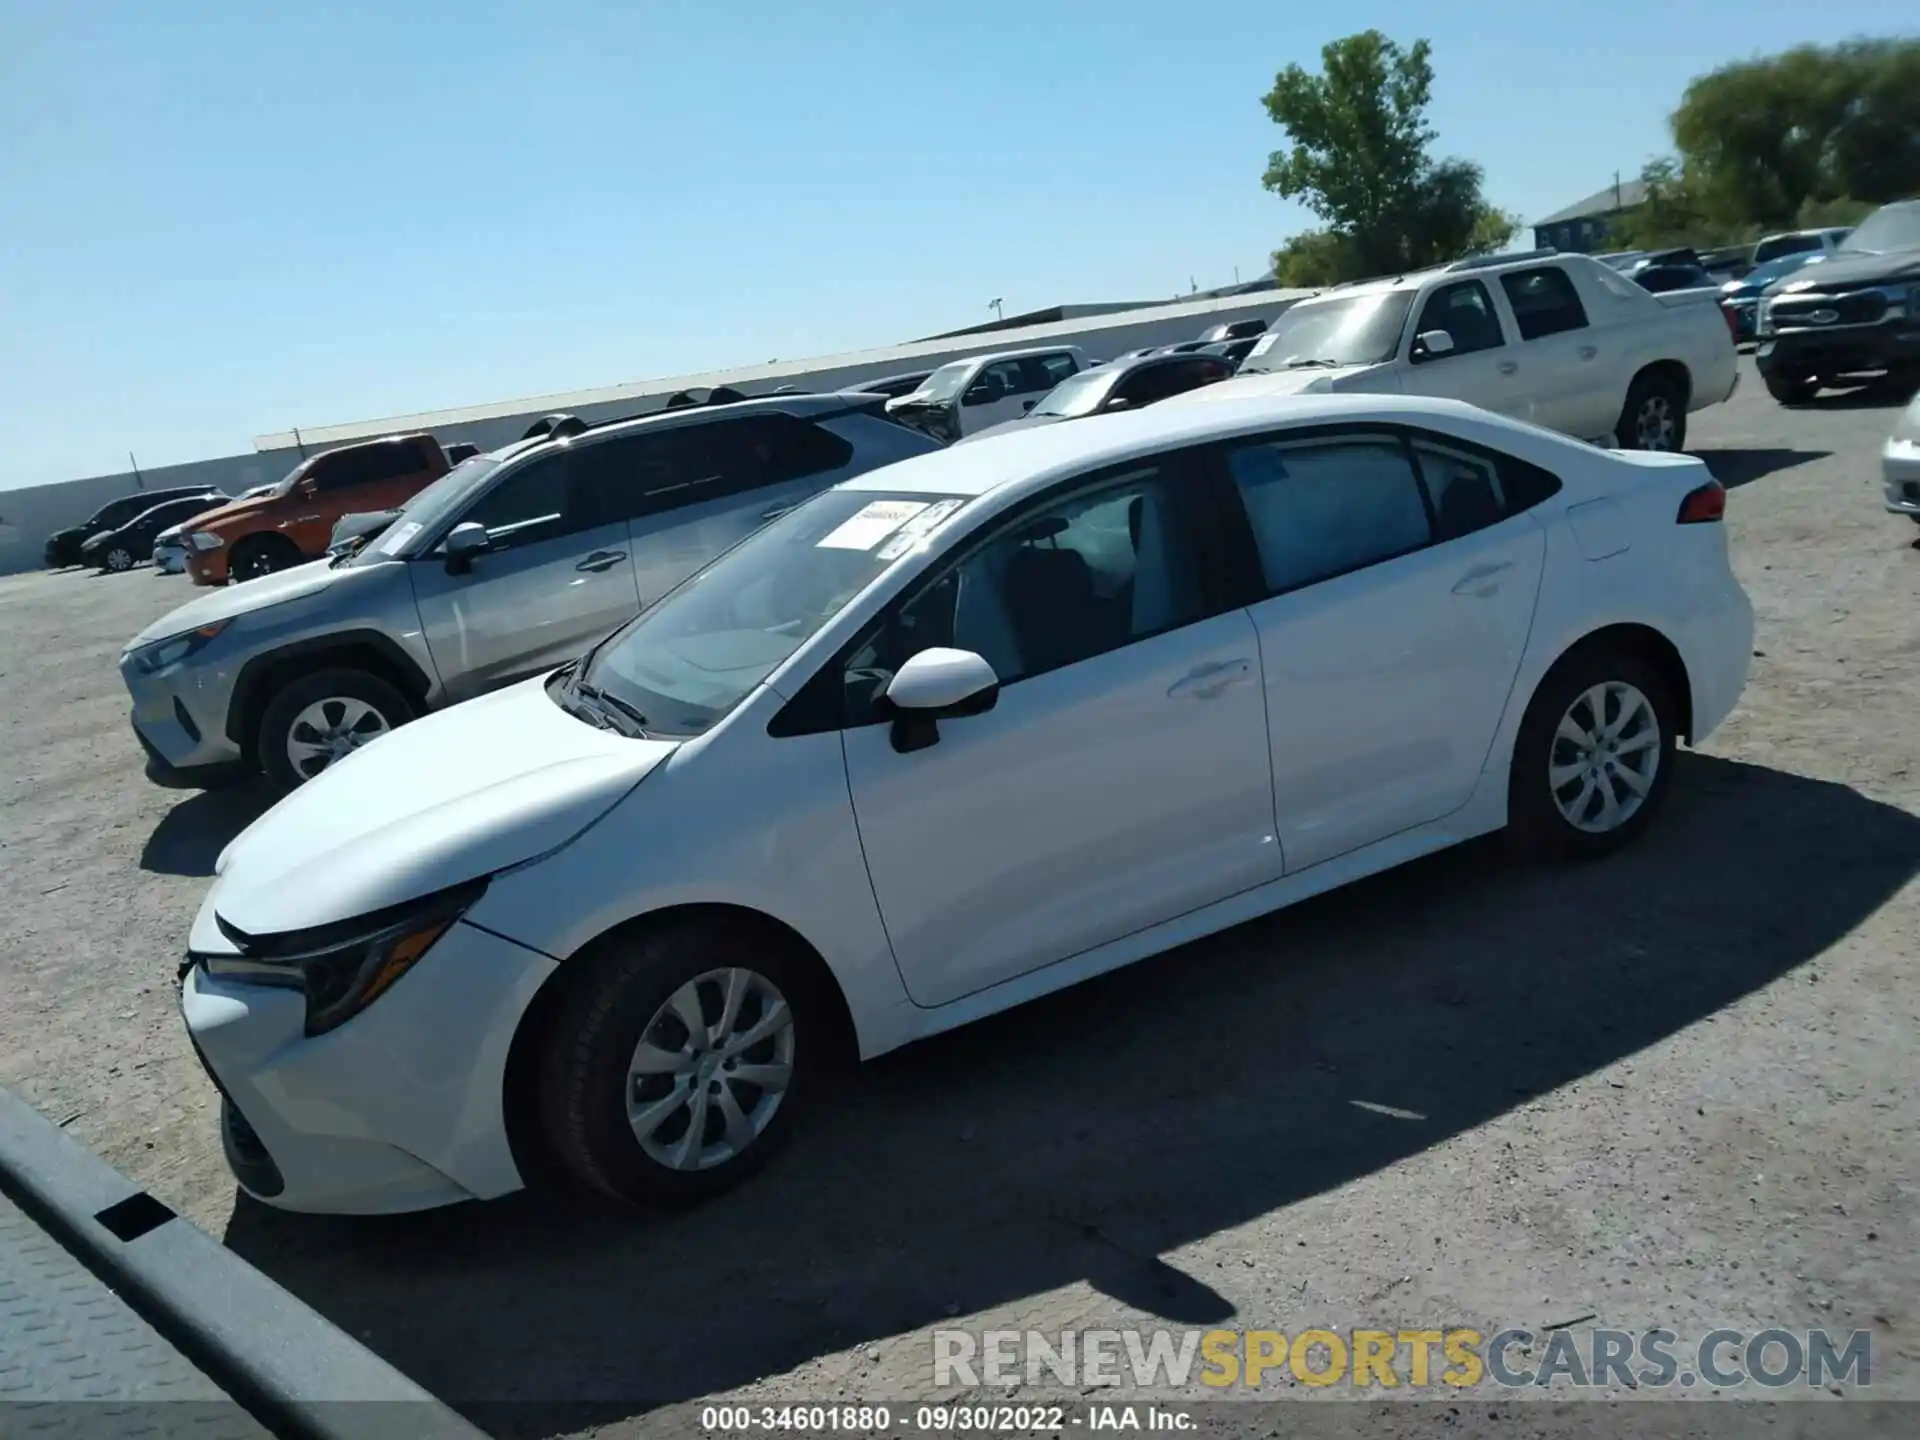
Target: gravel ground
<point x="1674" y="1089"/>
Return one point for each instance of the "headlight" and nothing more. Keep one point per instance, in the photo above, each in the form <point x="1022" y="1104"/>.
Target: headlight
<point x="150" y="659"/>
<point x="204" y="540"/>
<point x="343" y="968"/>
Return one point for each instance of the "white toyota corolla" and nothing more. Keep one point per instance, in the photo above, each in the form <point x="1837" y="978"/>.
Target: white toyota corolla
<point x="955" y="734"/>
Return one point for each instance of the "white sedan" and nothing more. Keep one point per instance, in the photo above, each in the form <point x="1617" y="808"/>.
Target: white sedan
<point x="953" y="735"/>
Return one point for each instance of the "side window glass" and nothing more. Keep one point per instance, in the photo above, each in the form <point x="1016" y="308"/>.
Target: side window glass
<point x="1321" y="508"/>
<point x="1084" y="577"/>
<point x="1054" y="369"/>
<point x="1143" y="387"/>
<point x="996" y="382"/>
<point x="1465" y="489"/>
<point x="528" y="506"/>
<point x="1544" y="302"/>
<point x="1465" y="311"/>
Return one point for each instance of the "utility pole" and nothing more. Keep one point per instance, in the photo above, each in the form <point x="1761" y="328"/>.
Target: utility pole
<point x="298" y="443"/>
<point x="994" y="305"/>
<point x="139" y="481"/>
<point x="1616" y="190"/>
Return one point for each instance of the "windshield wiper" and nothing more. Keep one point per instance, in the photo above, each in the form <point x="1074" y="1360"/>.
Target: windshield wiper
<point x="1309" y="363"/>
<point x="601" y="698"/>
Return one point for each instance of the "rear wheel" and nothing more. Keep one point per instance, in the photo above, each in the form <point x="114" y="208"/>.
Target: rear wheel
<point x="678" y="1061"/>
<point x="1791" y="389"/>
<point x="118" y="558"/>
<point x="1655" y="415"/>
<point x="318" y="720"/>
<point x="1595" y="755"/>
<point x="259" y="555"/>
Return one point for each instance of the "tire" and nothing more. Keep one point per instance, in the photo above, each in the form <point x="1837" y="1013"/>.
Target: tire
<point x="1791" y="389"/>
<point x="624" y="995"/>
<point x="1539" y="816"/>
<point x="1655" y="415"/>
<point x="325" y="715"/>
<point x="259" y="555"/>
<point x="117" y="559"/>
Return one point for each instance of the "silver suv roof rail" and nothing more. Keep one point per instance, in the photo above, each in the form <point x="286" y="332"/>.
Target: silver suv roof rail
<point x="1487" y="262"/>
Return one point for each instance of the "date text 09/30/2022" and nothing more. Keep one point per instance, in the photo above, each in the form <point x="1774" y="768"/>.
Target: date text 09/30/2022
<point x="942" y="1419"/>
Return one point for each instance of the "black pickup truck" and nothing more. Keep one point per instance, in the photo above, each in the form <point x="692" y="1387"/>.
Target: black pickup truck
<point x="1853" y="314"/>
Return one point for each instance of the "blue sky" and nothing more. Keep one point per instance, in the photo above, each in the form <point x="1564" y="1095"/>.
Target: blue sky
<point x="219" y="219"/>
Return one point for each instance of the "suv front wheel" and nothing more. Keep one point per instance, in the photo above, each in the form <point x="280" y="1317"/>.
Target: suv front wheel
<point x="259" y="555"/>
<point x="322" y="718"/>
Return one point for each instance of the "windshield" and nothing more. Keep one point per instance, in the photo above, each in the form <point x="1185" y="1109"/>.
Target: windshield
<point x="1891" y="227"/>
<point x="1079" y="394"/>
<point x="943" y="384"/>
<point x="427" y="511"/>
<point x="704" y="647"/>
<point x="1351" y="330"/>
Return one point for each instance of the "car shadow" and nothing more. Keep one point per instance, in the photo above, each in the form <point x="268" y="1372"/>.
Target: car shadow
<point x="190" y="836"/>
<point x="1887" y="393"/>
<point x="1082" y="1137"/>
<point x="1734" y="468"/>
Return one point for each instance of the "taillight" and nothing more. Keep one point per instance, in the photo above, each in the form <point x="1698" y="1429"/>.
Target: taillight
<point x="1704" y="505"/>
<point x="1733" y="321"/>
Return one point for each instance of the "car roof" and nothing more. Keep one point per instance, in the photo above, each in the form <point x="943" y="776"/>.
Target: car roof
<point x="1030" y="459"/>
<point x="802" y="405"/>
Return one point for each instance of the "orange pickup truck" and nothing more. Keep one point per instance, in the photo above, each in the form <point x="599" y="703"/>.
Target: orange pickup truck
<point x="292" y="524"/>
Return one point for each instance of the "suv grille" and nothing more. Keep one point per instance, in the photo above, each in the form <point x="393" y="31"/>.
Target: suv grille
<point x="1860" y="307"/>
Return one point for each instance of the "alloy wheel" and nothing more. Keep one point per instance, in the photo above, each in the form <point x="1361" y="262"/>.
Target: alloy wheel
<point x="330" y="730"/>
<point x="1654" y="424"/>
<point x="119" y="559"/>
<point x="711" y="1069"/>
<point x="1604" y="756"/>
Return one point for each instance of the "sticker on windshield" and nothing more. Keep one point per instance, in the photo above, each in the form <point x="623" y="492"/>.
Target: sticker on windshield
<point x="1263" y="344"/>
<point x="876" y="520"/>
<point x="391" y="542"/>
<point x="916" y="529"/>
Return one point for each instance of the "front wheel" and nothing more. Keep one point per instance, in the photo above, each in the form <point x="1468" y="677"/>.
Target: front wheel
<point x="259" y="555"/>
<point x="320" y="719"/>
<point x="117" y="559"/>
<point x="1595" y="755"/>
<point x="1655" y="415"/>
<point x="678" y="1061"/>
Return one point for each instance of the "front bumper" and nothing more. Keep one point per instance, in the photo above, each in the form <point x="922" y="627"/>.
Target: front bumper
<point x="207" y="567"/>
<point x="1850" y="350"/>
<point x="1900" y="468"/>
<point x="169" y="559"/>
<point x="401" y="1108"/>
<point x="180" y="718"/>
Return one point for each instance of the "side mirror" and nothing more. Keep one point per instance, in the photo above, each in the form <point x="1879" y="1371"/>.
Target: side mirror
<point x="938" y="684"/>
<point x="307" y="489"/>
<point x="465" y="541"/>
<point x="1431" y="345"/>
<point x="1027" y="408"/>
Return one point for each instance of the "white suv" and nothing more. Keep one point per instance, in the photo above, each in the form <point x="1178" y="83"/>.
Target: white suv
<point x="1562" y="340"/>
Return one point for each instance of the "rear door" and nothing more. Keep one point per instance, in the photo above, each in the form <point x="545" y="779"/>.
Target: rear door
<point x="1483" y="368"/>
<point x="559" y="576"/>
<point x="691" y="491"/>
<point x="1566" y="357"/>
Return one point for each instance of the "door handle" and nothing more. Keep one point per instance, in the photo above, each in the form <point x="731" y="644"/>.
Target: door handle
<point x="601" y="560"/>
<point x="1587" y="352"/>
<point x="775" y="512"/>
<point x="1207" y="681"/>
<point x="1474" y="582"/>
<point x="1507" y="367"/>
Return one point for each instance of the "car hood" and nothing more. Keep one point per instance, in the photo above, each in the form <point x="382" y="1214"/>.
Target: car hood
<point x="1007" y="427"/>
<point x="452" y="797"/>
<point x="1844" y="268"/>
<point x="235" y="510"/>
<point x="231" y="600"/>
<point x="1379" y="379"/>
<point x="171" y="535"/>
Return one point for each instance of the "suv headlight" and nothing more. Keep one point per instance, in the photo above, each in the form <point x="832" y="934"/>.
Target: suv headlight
<point x="204" y="540"/>
<point x="343" y="968"/>
<point x="150" y="659"/>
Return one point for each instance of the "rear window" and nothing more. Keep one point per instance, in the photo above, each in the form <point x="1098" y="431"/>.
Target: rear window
<point x="1544" y="302"/>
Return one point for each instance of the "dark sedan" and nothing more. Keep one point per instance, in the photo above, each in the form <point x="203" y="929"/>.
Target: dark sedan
<point x="127" y="545"/>
<point x="63" y="546"/>
<point x="1122" y="385"/>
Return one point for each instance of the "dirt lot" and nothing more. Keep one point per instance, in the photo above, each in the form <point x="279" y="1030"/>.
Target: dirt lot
<point x="1677" y="1088"/>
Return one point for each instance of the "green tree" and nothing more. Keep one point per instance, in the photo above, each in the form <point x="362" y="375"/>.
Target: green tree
<point x="1360" y="160"/>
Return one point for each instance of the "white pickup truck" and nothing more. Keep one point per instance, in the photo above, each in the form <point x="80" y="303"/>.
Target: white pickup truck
<point x="1561" y="340"/>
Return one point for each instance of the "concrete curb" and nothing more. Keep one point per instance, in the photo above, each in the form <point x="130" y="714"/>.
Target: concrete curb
<point x="300" y="1376"/>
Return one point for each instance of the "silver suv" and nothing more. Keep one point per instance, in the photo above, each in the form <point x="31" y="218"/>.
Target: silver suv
<point x="510" y="564"/>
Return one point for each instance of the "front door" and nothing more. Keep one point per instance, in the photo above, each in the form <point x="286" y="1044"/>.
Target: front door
<point x="559" y="576"/>
<point x="1482" y="368"/>
<point x="1120" y="781"/>
<point x="1392" y="631"/>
